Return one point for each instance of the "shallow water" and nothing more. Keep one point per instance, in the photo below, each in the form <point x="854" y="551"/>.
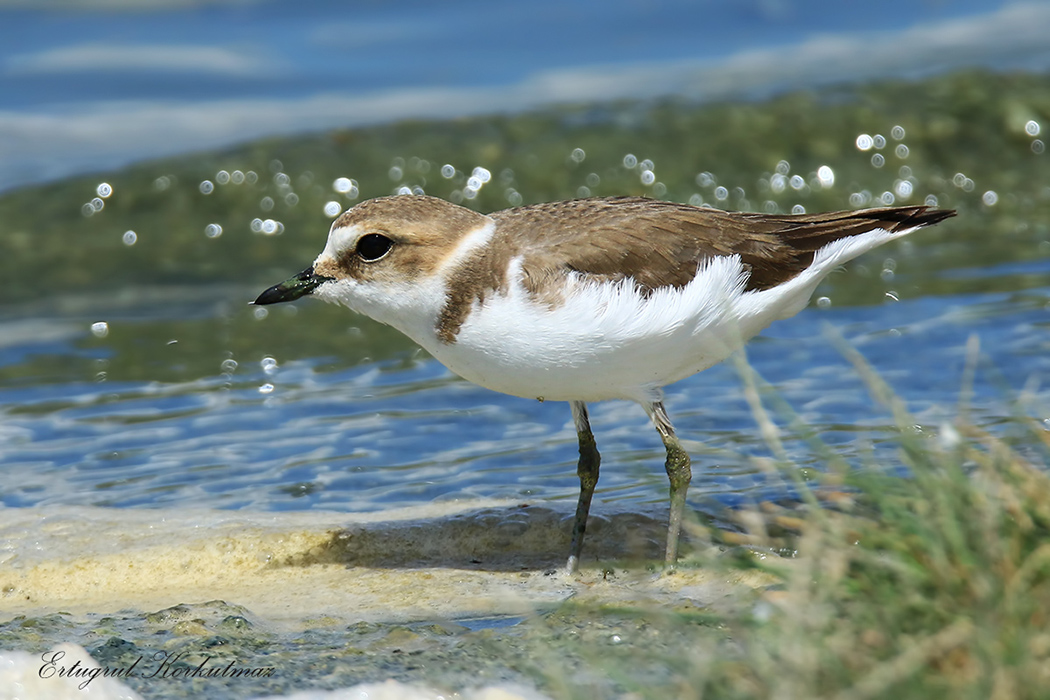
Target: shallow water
<point x="443" y="595"/>
<point x="134" y="374"/>
<point x="317" y="433"/>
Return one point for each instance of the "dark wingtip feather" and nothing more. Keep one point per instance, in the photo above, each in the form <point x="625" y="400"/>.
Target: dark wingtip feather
<point x="899" y="218"/>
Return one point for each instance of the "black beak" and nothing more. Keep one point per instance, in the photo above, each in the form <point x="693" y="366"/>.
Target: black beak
<point x="293" y="288"/>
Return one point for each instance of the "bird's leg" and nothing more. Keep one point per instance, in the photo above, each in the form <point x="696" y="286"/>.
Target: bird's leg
<point x="587" y="469"/>
<point x="679" y="473"/>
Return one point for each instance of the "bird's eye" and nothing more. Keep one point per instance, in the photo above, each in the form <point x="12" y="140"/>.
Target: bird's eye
<point x="373" y="246"/>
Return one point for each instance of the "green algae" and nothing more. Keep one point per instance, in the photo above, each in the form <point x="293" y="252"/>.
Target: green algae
<point x="966" y="137"/>
<point x="326" y="654"/>
<point x="971" y="124"/>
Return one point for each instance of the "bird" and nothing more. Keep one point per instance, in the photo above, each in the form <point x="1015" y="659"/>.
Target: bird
<point x="586" y="300"/>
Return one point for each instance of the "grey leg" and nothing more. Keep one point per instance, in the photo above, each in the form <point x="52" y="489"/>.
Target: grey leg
<point x="679" y="473"/>
<point x="587" y="469"/>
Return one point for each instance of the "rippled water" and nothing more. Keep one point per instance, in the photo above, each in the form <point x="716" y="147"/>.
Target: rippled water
<point x="134" y="374"/>
<point x="321" y="432"/>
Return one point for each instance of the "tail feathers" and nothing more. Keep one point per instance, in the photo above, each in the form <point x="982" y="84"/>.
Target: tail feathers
<point x="801" y="236"/>
<point x="810" y="232"/>
<point x="895" y="219"/>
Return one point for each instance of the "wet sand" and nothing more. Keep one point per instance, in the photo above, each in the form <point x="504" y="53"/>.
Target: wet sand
<point x="435" y="562"/>
<point x="454" y="596"/>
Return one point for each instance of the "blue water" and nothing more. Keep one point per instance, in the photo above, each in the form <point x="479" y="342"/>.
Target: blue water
<point x="110" y="83"/>
<point x="314" y="434"/>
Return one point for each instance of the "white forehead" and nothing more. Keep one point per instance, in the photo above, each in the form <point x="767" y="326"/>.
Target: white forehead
<point x="340" y="239"/>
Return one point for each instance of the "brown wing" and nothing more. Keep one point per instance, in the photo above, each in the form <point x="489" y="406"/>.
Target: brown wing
<point x="661" y="244"/>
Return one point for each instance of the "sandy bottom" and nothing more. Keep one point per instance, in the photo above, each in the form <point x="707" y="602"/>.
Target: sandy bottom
<point x="334" y="600"/>
<point x="439" y="562"/>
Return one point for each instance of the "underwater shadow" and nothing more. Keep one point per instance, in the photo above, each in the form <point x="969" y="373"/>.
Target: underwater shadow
<point x="520" y="538"/>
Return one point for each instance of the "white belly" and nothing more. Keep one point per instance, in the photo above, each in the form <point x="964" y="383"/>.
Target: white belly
<point x="607" y="341"/>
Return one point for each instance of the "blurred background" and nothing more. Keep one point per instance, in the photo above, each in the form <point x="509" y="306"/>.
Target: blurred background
<point x="161" y="162"/>
<point x="96" y="84"/>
